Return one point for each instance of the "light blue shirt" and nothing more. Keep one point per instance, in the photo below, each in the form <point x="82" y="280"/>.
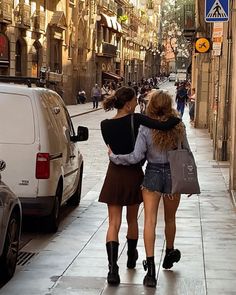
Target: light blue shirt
<point x="144" y="147"/>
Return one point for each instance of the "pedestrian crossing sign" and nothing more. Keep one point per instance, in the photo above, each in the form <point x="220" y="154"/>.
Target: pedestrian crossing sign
<point x="216" y="10"/>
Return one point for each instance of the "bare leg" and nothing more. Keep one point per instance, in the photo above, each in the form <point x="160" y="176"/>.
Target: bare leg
<point x="132" y="235"/>
<point x="132" y="221"/>
<point x="170" y="207"/>
<point x="151" y="202"/>
<point x="115" y="216"/>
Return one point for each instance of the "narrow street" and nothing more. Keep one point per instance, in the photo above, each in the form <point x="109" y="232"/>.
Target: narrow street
<point x="73" y="261"/>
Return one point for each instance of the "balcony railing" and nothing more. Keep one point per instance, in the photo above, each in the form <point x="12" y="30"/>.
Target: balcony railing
<point x="39" y="20"/>
<point x="6" y="7"/>
<point x="107" y="49"/>
<point x="22" y="14"/>
<point x="189" y="21"/>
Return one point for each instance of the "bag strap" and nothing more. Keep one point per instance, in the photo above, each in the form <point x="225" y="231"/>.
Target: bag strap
<point x="132" y="129"/>
<point x="179" y="145"/>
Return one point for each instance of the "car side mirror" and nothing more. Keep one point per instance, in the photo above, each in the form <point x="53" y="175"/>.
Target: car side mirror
<point x="82" y="134"/>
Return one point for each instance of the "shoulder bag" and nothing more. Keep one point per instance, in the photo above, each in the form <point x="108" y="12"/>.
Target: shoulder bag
<point x="183" y="171"/>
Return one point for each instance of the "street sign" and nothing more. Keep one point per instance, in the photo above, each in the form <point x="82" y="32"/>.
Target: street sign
<point x="202" y="45"/>
<point x="216" y="10"/>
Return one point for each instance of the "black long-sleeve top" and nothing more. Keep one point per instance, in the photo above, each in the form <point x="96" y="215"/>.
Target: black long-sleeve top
<point x="117" y="133"/>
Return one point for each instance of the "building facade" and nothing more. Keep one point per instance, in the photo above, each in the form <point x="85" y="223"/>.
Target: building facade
<point x="213" y="76"/>
<point x="78" y="43"/>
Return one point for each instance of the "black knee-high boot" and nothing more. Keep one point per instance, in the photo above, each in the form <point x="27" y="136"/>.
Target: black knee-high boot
<point x="150" y="278"/>
<point x="113" y="277"/>
<point x="132" y="253"/>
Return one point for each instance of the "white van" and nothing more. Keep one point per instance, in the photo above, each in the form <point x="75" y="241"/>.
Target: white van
<point x="39" y="149"/>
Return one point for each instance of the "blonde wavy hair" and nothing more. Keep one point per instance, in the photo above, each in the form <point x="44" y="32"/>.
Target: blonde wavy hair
<point x="160" y="107"/>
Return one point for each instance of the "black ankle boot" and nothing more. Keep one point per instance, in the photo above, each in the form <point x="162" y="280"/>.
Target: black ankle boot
<point x="132" y="253"/>
<point x="150" y="278"/>
<point x="172" y="255"/>
<point x="113" y="277"/>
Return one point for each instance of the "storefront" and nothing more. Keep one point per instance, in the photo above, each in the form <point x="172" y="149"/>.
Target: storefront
<point x="4" y="55"/>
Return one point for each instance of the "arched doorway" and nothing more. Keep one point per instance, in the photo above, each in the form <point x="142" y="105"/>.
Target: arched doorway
<point x="36" y="59"/>
<point x="21" y="58"/>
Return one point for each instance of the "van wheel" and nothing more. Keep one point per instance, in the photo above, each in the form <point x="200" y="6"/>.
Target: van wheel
<point x="53" y="220"/>
<point x="8" y="259"/>
<point x="75" y="198"/>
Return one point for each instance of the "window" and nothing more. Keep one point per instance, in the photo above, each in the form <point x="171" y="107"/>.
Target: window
<point x="56" y="56"/>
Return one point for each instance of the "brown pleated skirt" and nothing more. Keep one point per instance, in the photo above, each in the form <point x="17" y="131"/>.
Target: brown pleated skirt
<point x="122" y="185"/>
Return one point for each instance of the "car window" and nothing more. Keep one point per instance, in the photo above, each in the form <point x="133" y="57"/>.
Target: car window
<point x="66" y="117"/>
<point x="16" y="119"/>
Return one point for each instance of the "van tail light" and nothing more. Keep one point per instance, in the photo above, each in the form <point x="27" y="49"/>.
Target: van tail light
<point x="43" y="166"/>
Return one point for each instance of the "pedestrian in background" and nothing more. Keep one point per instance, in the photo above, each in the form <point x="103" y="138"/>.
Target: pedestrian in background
<point x="192" y="99"/>
<point x="81" y="97"/>
<point x="121" y="186"/>
<point x="154" y="145"/>
<point x="96" y="94"/>
<point x="181" y="98"/>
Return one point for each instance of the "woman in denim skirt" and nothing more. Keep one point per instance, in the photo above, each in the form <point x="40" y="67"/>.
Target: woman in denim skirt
<point x="154" y="145"/>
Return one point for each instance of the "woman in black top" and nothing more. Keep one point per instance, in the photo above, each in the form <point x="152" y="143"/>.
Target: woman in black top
<point x="122" y="183"/>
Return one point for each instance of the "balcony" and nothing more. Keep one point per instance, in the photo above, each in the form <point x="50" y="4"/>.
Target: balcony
<point x="6" y="7"/>
<point x="107" y="49"/>
<point x="22" y="14"/>
<point x="189" y="21"/>
<point x="39" y="21"/>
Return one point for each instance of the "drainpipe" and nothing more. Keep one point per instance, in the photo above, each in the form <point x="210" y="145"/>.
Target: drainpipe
<point x="227" y="91"/>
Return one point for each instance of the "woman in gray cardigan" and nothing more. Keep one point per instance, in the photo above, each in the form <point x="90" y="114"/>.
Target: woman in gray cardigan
<point x="154" y="145"/>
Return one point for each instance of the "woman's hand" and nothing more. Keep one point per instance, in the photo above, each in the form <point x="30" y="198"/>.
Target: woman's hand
<point x="109" y="150"/>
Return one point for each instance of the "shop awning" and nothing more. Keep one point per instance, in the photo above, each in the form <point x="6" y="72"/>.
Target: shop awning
<point x="111" y="22"/>
<point x="116" y="26"/>
<point x="111" y="76"/>
<point x="106" y="20"/>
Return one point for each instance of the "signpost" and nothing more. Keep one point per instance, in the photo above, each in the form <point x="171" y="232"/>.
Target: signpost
<point x="216" y="11"/>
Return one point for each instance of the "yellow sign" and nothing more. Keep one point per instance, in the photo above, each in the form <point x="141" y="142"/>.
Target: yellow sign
<point x="202" y="45"/>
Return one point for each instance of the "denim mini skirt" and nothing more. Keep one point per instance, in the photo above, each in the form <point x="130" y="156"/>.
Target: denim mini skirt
<point x="157" y="178"/>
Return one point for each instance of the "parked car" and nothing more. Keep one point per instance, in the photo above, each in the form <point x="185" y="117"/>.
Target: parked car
<point x="39" y="147"/>
<point x="172" y="77"/>
<point x="10" y="228"/>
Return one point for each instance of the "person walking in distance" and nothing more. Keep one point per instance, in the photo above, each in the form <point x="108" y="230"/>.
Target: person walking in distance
<point x="96" y="94"/>
<point x="192" y="99"/>
<point x="181" y="99"/>
<point x="154" y="145"/>
<point x="121" y="186"/>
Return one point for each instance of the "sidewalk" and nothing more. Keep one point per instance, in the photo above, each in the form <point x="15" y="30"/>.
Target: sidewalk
<point x="75" y="261"/>
<point x="80" y="109"/>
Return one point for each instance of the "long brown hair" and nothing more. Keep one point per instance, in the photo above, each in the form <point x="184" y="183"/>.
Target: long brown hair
<point x="160" y="107"/>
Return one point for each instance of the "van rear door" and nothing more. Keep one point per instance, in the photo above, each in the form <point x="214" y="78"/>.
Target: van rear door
<point x="18" y="146"/>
